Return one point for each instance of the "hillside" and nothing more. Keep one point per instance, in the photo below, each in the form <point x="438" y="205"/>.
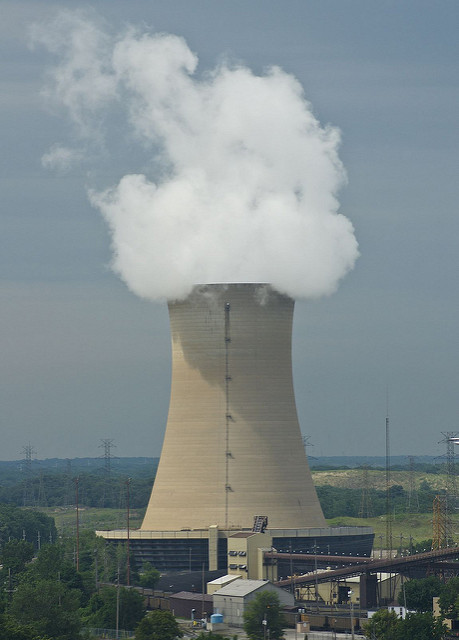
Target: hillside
<point x="353" y="479"/>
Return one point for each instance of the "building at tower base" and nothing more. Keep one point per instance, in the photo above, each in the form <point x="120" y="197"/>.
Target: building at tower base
<point x="213" y="549"/>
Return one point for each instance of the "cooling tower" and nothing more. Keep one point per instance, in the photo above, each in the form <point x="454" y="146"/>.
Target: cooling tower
<point x="232" y="447"/>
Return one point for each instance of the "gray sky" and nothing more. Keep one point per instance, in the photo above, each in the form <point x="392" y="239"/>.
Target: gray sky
<point x="84" y="359"/>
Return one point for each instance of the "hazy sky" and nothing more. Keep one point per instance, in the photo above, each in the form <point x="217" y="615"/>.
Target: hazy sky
<point x="83" y="358"/>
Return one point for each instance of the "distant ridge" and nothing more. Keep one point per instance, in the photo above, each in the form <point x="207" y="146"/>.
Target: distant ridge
<point x="119" y="463"/>
<point x="138" y="466"/>
<point x="372" y="461"/>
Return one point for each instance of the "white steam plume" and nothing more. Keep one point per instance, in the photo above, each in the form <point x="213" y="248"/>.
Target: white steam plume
<point x="247" y="190"/>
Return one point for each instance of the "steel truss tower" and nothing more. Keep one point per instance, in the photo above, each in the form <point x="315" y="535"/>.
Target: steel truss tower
<point x="449" y="499"/>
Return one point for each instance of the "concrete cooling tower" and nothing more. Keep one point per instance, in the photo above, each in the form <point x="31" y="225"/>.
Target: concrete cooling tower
<point x="233" y="447"/>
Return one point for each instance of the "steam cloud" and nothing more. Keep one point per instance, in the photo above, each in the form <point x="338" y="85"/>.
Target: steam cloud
<point x="248" y="179"/>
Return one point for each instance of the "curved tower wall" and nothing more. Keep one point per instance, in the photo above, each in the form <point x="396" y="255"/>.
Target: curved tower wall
<point x="233" y="447"/>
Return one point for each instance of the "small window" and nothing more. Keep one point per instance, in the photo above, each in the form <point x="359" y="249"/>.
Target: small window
<point x="242" y="553"/>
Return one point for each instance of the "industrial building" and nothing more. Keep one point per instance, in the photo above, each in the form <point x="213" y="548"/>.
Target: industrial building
<point x="233" y="461"/>
<point x="231" y="600"/>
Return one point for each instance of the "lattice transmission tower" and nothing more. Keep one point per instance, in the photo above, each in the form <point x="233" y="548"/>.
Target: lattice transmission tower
<point x="107" y="445"/>
<point x="108" y="494"/>
<point x="449" y="499"/>
<point x="27" y="494"/>
<point x="441" y="524"/>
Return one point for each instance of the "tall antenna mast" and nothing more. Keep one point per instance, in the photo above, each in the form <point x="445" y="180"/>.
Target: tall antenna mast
<point x="77" y="505"/>
<point x="128" y="549"/>
<point x="388" y="496"/>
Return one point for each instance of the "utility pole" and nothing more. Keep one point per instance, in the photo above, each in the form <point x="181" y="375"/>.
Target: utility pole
<point x="365" y="510"/>
<point x="316" y="585"/>
<point x="96" y="569"/>
<point x="128" y="556"/>
<point x="412" y="497"/>
<point x="351" y="607"/>
<point x="117" y="603"/>
<point x="77" y="500"/>
<point x="402" y="537"/>
<point x="292" y="584"/>
<point x="388" y="487"/>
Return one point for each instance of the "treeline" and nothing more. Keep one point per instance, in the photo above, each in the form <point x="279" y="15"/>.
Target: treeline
<point x="94" y="490"/>
<point x="340" y="501"/>
<point x="33" y="527"/>
<point x="52" y="483"/>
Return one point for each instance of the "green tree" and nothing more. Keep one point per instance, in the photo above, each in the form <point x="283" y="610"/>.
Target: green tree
<point x="382" y="625"/>
<point x="149" y="576"/>
<point x="420" y="626"/>
<point x="265" y="606"/>
<point x="25" y="524"/>
<point x="449" y="604"/>
<point x="16" y="554"/>
<point x="11" y="630"/>
<point x="422" y="546"/>
<point x="158" y="625"/>
<point x="101" y="608"/>
<point x="419" y="593"/>
<point x="49" y="607"/>
<point x="52" y="565"/>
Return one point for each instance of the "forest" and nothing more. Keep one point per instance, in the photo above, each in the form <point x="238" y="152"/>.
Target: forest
<point x="63" y="591"/>
<point x="52" y="483"/>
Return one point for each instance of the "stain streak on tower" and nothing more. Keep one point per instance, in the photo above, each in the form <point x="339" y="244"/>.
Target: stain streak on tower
<point x="232" y="447"/>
